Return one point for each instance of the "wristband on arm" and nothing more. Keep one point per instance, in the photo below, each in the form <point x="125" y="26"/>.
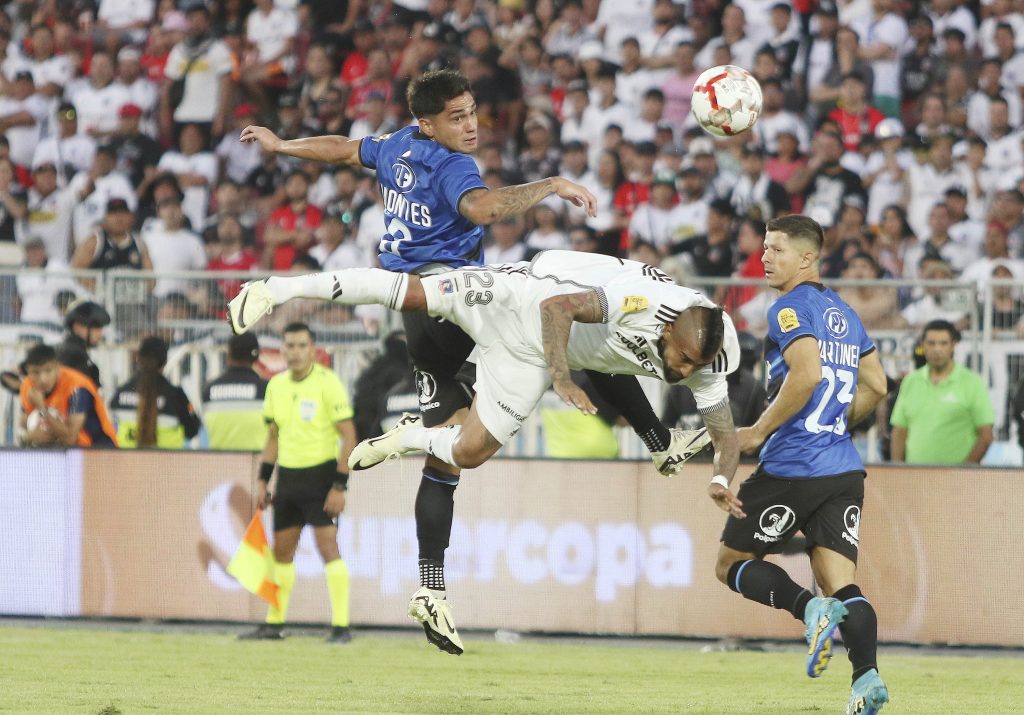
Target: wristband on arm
<point x="341" y="481"/>
<point x="266" y="471"/>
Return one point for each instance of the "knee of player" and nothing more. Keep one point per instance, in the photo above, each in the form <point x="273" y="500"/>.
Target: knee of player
<point x="472" y="458"/>
<point x="722" y="570"/>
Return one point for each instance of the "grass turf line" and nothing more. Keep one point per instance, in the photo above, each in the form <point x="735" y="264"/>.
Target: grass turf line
<point x="74" y="670"/>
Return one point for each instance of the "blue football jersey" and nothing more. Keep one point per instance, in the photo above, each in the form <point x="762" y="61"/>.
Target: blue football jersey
<point x="815" y="442"/>
<point x="422" y="183"/>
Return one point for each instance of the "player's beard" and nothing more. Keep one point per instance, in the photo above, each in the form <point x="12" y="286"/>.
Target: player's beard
<point x="671" y="376"/>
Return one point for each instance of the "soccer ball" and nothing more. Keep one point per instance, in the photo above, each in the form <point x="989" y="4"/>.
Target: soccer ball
<point x="35" y="419"/>
<point x="726" y="100"/>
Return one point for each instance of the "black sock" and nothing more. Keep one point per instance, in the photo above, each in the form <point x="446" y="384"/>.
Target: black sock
<point x="859" y="629"/>
<point x="435" y="505"/>
<point x="769" y="584"/>
<point x="623" y="392"/>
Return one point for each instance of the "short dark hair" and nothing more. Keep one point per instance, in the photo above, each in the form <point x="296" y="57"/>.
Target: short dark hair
<point x="299" y="327"/>
<point x="713" y="325"/>
<point x="797" y="226"/>
<point x="428" y="93"/>
<point x="954" y="334"/>
<point x="40" y="354"/>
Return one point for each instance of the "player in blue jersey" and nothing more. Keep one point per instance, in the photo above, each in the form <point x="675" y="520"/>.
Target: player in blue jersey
<point x="435" y="205"/>
<point x="824" y="377"/>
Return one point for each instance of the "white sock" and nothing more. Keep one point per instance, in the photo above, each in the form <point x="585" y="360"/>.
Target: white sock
<point x="353" y="286"/>
<point x="436" y="441"/>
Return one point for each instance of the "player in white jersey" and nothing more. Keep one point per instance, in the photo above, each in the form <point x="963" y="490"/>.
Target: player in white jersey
<point x="533" y="322"/>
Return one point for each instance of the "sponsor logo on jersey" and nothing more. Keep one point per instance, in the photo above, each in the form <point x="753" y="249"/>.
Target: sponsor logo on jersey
<point x="446" y="286"/>
<point x="788" y="320"/>
<point x="851" y="520"/>
<point x="835" y="323"/>
<point x="405" y="177"/>
<point x="639" y="347"/>
<point x="515" y="415"/>
<point x="774" y="522"/>
<point x="634" y="304"/>
<point x="426" y="386"/>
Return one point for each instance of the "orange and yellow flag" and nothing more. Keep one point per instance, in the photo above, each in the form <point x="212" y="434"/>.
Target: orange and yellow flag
<point x="253" y="562"/>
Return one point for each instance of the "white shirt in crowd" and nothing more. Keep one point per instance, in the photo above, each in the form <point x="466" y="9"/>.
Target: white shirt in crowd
<point x="890" y="30"/>
<point x="347" y="254"/>
<point x="201" y="99"/>
<point x="987" y="32"/>
<point x="371" y="228"/>
<point x="270" y="34"/>
<point x="122" y="13"/>
<point x="55" y="70"/>
<point x="92" y="208"/>
<point x="49" y="218"/>
<point x="197" y="198"/>
<point x="689" y="219"/>
<point x="38" y="289"/>
<point x="621" y="20"/>
<point x="23" y="139"/>
<point x="78" y="151"/>
<point x="98" y="108"/>
<point x="768" y="128"/>
<point x="172" y="251"/>
<point x="494" y="255"/>
<point x="240" y="159"/>
<point x="554" y="240"/>
<point x="653" y="225"/>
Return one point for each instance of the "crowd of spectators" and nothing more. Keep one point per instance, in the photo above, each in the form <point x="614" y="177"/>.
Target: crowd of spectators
<point x="895" y="124"/>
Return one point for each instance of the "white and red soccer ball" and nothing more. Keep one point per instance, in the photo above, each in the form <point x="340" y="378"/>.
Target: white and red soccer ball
<point x="726" y="100"/>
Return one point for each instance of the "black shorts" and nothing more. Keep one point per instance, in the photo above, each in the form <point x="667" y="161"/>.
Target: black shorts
<point x="444" y="380"/>
<point x="826" y="509"/>
<point x="300" y="495"/>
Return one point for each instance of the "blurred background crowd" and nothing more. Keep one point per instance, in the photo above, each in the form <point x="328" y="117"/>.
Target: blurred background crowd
<point x="895" y="124"/>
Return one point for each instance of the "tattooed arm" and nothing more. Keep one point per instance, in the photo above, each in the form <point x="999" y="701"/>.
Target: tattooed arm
<point x="718" y="420"/>
<point x="723" y="436"/>
<point x="484" y="206"/>
<point x="557" y="314"/>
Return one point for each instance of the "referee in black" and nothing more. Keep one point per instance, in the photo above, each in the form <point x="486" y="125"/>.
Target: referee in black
<point x="306" y="409"/>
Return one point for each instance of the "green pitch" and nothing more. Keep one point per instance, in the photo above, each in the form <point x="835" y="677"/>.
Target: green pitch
<point x="87" y="669"/>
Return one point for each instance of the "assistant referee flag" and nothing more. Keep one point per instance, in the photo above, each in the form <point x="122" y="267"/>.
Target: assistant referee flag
<point x="253" y="562"/>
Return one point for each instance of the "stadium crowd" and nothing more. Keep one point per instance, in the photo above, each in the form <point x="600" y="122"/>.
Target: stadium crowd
<point x="895" y="124"/>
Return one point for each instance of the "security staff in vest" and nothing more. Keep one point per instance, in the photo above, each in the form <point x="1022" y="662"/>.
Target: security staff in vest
<point x="150" y="411"/>
<point x="85" y="321"/>
<point x="306" y="409"/>
<point x="233" y="403"/>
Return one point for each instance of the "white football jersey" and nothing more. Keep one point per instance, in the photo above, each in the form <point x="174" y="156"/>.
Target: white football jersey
<point x="500" y="306"/>
<point x="640" y="301"/>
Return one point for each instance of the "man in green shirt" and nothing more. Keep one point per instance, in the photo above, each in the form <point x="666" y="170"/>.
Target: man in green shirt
<point x="943" y="414"/>
<point x="306" y="408"/>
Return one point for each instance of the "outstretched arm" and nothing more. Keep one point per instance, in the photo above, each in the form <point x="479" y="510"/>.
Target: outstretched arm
<point x="485" y="206"/>
<point x="332" y="149"/>
<point x="727" y="457"/>
<point x="557" y="314"/>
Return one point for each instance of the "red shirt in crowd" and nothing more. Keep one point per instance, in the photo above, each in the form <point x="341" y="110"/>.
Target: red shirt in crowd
<point x="244" y="260"/>
<point x="856" y="126"/>
<point x="286" y="218"/>
<point x="354" y="67"/>
<point x="629" y="195"/>
<point x="362" y="90"/>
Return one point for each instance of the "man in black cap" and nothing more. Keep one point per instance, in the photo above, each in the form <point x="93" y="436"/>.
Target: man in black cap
<point x="233" y="403"/>
<point x="85" y="321"/>
<point x="113" y="244"/>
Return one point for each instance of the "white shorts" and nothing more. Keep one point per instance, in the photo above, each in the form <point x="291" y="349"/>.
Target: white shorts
<point x="490" y="303"/>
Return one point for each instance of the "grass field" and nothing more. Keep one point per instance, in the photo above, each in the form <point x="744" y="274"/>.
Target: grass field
<point x="86" y="669"/>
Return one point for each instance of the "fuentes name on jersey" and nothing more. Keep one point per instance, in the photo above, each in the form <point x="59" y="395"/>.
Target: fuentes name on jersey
<point x="403" y="209"/>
